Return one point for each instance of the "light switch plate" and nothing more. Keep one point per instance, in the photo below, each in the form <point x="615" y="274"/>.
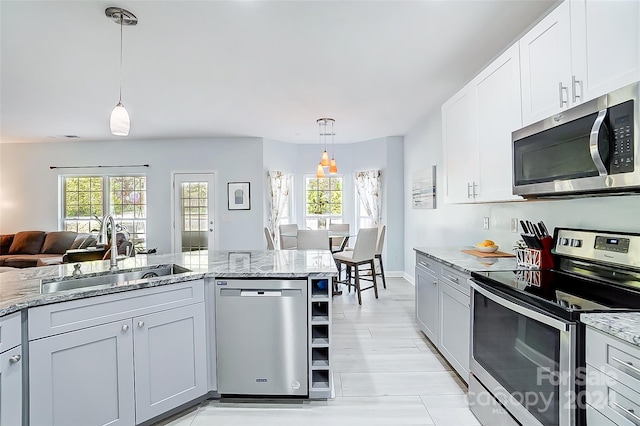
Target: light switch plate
<point x="514" y="224"/>
<point x="485" y="223"/>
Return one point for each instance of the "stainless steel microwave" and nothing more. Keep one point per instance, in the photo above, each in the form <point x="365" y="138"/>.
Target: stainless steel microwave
<point x="588" y="149"/>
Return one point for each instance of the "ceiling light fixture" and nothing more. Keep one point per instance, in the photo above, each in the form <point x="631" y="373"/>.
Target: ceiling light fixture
<point x="120" y="122"/>
<point x="323" y="132"/>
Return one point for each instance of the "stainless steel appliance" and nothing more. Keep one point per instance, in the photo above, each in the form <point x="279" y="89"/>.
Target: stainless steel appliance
<point x="590" y="148"/>
<point x="527" y="361"/>
<point x="261" y="337"/>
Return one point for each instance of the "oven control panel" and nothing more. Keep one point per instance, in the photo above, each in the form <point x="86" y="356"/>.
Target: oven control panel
<point x="619" y="249"/>
<point x="619" y="245"/>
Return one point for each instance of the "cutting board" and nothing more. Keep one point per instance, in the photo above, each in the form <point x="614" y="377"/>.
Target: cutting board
<point x="479" y="253"/>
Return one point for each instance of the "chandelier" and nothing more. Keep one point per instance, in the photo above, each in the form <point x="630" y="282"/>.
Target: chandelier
<point x="325" y="128"/>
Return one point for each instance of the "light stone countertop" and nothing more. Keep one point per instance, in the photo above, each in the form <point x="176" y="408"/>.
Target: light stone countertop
<point x="21" y="288"/>
<point x="623" y="325"/>
<point x="467" y="263"/>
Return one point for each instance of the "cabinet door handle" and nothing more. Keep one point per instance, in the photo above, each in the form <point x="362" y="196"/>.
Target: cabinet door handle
<point x="452" y="278"/>
<point x="563" y="89"/>
<point x="125" y="328"/>
<point x="468" y="190"/>
<point x="576" y="83"/>
<point x="140" y="324"/>
<point x="14" y="359"/>
<point x="626" y="413"/>
<point x="475" y="194"/>
<point x="434" y="282"/>
<point x="628" y="365"/>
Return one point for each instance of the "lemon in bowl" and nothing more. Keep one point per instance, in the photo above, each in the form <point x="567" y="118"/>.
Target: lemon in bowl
<point x="487" y="246"/>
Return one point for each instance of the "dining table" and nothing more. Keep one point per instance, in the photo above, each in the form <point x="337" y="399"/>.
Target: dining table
<point x="332" y="235"/>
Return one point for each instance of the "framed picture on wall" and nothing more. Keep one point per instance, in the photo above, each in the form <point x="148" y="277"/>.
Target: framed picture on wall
<point x="239" y="196"/>
<point x="423" y="189"/>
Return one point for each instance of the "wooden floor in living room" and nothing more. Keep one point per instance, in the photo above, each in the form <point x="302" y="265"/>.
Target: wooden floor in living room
<point x="385" y="372"/>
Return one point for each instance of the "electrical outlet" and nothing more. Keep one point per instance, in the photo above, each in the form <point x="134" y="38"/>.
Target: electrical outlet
<point x="485" y="223"/>
<point x="514" y="224"/>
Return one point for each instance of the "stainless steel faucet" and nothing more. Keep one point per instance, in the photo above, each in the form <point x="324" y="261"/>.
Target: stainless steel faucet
<point x="114" y="238"/>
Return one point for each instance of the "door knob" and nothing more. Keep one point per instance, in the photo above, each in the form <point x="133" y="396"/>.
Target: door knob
<point x="140" y="324"/>
<point x="125" y="328"/>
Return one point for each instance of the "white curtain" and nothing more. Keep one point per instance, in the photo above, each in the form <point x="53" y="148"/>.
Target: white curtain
<point x="280" y="187"/>
<point x="369" y="187"/>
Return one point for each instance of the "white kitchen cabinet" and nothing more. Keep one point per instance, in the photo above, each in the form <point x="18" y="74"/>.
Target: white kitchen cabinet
<point x="581" y="50"/>
<point x="10" y="370"/>
<point x="605" y="46"/>
<point x="545" y="57"/>
<point x="498" y="112"/>
<point x="477" y="126"/>
<point x="170" y="360"/>
<point x="118" y="359"/>
<point x="427" y="306"/>
<point x="459" y="147"/>
<point x="84" y="377"/>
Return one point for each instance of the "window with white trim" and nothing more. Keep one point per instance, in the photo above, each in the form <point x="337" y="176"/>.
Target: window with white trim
<point x="323" y="202"/>
<point x="86" y="199"/>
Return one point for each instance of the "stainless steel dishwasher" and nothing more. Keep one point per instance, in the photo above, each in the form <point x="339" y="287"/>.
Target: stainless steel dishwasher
<point x="261" y="337"/>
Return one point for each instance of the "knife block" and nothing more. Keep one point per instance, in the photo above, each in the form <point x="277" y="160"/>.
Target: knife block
<point x="536" y="259"/>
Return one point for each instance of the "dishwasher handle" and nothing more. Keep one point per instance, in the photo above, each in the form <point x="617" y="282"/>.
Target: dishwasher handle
<point x="261" y="293"/>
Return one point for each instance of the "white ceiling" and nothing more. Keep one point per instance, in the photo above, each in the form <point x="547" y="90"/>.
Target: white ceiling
<point x="199" y="69"/>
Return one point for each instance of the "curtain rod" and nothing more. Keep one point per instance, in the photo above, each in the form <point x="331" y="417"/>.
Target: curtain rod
<point x="92" y="167"/>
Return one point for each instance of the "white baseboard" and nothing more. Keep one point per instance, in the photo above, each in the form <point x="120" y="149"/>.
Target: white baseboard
<point x="408" y="278"/>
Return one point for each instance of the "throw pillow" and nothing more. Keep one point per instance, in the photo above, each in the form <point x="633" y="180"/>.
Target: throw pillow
<point x="27" y="242"/>
<point x="5" y="243"/>
<point x="90" y="241"/>
<point x="79" y="239"/>
<point x="58" y="242"/>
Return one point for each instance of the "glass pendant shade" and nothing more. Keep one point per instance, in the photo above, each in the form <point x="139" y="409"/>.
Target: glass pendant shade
<point x="119" y="121"/>
<point x="325" y="159"/>
<point x="320" y="171"/>
<point x="333" y="167"/>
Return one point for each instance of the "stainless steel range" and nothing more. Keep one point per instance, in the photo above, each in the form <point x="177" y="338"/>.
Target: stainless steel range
<point x="527" y="344"/>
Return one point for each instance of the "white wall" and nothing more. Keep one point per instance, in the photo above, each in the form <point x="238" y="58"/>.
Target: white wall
<point x="456" y="225"/>
<point x="29" y="188"/>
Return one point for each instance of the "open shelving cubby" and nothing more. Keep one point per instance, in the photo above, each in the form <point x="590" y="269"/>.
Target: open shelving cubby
<point x="320" y="375"/>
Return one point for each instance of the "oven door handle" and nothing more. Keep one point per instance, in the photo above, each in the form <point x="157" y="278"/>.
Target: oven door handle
<point x="529" y="313"/>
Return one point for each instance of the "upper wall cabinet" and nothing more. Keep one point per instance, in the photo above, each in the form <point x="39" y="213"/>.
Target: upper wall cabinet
<point x="477" y="126"/>
<point x="581" y="50"/>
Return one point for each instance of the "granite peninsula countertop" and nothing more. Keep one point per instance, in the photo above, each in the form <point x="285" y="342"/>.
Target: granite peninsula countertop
<point x="467" y="263"/>
<point x="623" y="325"/>
<point x="21" y="288"/>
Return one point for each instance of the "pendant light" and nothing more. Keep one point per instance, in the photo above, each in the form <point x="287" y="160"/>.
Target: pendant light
<point x="119" y="121"/>
<point x="333" y="167"/>
<point x="323" y="132"/>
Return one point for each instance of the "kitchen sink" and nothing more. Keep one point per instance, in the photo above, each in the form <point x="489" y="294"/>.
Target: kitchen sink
<point x="109" y="278"/>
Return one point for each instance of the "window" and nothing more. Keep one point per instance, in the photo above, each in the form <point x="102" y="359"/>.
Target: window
<point x="323" y="202"/>
<point x="86" y="199"/>
<point x="364" y="220"/>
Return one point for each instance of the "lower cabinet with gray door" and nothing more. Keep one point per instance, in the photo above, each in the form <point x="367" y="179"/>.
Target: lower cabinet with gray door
<point x="11" y="370"/>
<point x="427" y="306"/>
<point x="455" y="323"/>
<point x="117" y="359"/>
<point x="442" y="310"/>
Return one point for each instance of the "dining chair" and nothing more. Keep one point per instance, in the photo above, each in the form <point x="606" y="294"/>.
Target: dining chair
<point x="289" y="242"/>
<point x="379" y="246"/>
<point x="363" y="254"/>
<point x="270" y="244"/>
<point x="337" y="242"/>
<point x="313" y="239"/>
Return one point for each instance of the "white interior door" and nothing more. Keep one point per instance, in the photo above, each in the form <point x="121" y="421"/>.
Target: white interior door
<point x="193" y="214"/>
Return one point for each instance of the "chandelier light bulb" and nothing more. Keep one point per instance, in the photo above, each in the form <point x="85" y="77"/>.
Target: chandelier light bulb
<point x="320" y="171"/>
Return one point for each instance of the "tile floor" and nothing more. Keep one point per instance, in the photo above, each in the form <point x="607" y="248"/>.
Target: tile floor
<point x="385" y="373"/>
